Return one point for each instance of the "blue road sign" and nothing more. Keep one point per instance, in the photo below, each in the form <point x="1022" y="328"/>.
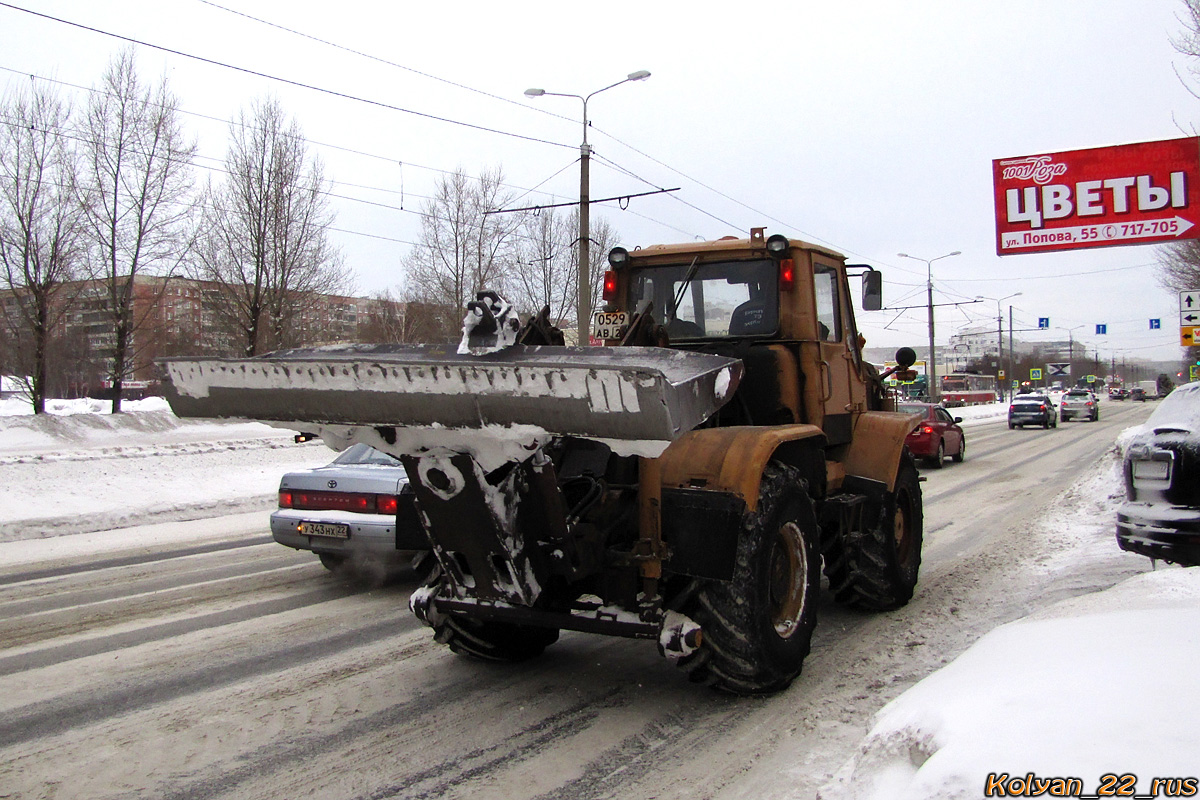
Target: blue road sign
<point x="1155" y="324"/>
<point x="1043" y="322"/>
<point x="1101" y="330"/>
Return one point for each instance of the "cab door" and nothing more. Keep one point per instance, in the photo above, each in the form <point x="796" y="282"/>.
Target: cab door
<point x="838" y="367"/>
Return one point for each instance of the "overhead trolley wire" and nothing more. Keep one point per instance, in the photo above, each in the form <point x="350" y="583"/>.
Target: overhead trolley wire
<point x="288" y="81"/>
<point x="371" y="57"/>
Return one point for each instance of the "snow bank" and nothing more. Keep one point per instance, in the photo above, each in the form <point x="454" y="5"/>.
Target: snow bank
<point x="1098" y="684"/>
<point x="81" y="469"/>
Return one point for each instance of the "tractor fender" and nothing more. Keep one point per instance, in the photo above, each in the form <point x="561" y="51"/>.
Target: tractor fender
<point x="732" y="460"/>
<point x="876" y="445"/>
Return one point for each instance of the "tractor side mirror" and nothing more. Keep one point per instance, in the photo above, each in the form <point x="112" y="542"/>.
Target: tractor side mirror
<point x="872" y="290"/>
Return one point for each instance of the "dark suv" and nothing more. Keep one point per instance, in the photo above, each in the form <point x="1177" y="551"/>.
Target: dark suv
<point x="1161" y="515"/>
<point x="1032" y="409"/>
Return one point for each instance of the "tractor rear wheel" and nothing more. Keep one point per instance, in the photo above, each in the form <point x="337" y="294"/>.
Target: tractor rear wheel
<point x="876" y="569"/>
<point x="757" y="627"/>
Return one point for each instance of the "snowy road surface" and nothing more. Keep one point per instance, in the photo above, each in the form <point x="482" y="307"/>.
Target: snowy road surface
<point x="198" y="659"/>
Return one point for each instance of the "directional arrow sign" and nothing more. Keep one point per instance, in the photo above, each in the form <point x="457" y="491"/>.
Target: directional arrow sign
<point x="1189" y="300"/>
<point x="1187" y="318"/>
<point x="1189" y="336"/>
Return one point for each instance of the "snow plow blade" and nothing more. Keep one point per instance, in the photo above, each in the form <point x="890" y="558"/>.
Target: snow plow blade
<point x="634" y="395"/>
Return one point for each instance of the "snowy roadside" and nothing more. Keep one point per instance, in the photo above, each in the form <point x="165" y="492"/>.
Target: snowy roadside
<point x="1099" y="684"/>
<point x="78" y="469"/>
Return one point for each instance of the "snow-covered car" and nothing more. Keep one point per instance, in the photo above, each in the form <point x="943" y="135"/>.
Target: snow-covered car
<point x="937" y="436"/>
<point x="356" y="509"/>
<point x="1160" y="517"/>
<point x="1032" y="409"/>
<point x="1079" y="403"/>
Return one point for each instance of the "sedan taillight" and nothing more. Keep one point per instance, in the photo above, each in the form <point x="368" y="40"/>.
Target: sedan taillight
<point x="357" y="502"/>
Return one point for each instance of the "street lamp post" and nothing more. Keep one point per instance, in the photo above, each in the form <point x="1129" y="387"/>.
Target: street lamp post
<point x="1000" y="335"/>
<point x="585" y="153"/>
<point x="931" y="371"/>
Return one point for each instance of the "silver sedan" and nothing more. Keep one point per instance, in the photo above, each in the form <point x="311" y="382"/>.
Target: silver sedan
<point x="356" y="510"/>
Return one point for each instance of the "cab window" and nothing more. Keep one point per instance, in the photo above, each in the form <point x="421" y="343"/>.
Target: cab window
<point x="721" y="299"/>
<point x="825" y="285"/>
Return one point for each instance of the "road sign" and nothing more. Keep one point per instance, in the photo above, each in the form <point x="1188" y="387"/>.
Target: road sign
<point x="1189" y="318"/>
<point x="1043" y="322"/>
<point x="1194" y="371"/>
<point x="1035" y="374"/>
<point x="1000" y="375"/>
<point x="1142" y="193"/>
<point x="1155" y="324"/>
<point x="1059" y="370"/>
<point x="1016" y="384"/>
<point x="1189" y="336"/>
<point x="1101" y="330"/>
<point x="1091" y="378"/>
<point x="1189" y="300"/>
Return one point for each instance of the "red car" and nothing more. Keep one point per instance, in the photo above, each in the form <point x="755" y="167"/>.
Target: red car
<point x="937" y="436"/>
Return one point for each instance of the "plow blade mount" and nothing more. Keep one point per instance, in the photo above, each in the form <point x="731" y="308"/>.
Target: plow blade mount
<point x="635" y="395"/>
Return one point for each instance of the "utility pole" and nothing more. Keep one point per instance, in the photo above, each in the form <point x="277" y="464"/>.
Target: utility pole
<point x="999" y="347"/>
<point x="585" y="156"/>
<point x="931" y="369"/>
<point x="1010" y="343"/>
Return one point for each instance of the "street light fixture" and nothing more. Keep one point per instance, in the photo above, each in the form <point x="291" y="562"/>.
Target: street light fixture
<point x="585" y="152"/>
<point x="1000" y="336"/>
<point x="931" y="372"/>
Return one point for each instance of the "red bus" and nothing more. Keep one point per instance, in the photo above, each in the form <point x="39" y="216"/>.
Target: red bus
<point x="964" y="389"/>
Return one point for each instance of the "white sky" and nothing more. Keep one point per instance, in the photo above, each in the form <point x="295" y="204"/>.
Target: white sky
<point x="867" y="125"/>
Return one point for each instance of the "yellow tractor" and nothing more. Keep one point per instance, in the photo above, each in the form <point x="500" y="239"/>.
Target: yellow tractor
<point x="683" y="483"/>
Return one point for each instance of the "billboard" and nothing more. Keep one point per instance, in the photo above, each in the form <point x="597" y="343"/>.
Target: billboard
<point x="1144" y="193"/>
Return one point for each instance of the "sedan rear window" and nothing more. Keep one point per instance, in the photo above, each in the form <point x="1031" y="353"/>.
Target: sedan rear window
<point x="365" y="454"/>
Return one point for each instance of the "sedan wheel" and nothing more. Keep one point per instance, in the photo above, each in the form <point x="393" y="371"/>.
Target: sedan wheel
<point x="937" y="461"/>
<point x="962" y="451"/>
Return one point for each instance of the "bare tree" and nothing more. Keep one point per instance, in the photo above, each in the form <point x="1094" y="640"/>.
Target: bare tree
<point x="463" y="249"/>
<point x="1188" y="42"/>
<point x="1179" y="262"/>
<point x="266" y="243"/>
<point x="546" y="272"/>
<point x="387" y="320"/>
<point x="41" y="227"/>
<point x="137" y="191"/>
<point x="1179" y="271"/>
